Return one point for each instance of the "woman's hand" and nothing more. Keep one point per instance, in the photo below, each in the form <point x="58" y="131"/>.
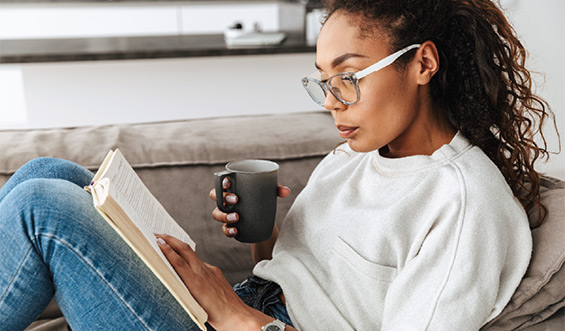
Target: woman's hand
<point x="229" y="198"/>
<point x="226" y="311"/>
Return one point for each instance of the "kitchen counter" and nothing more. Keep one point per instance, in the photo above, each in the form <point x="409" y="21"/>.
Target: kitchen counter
<point x="122" y="48"/>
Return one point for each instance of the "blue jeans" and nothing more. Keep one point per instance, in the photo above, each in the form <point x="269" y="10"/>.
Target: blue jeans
<point x="53" y="243"/>
<point x="265" y="296"/>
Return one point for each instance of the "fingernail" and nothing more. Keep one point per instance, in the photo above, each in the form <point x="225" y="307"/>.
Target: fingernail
<point x="231" y="231"/>
<point x="157" y="234"/>
<point x="160" y="241"/>
<point x="231" y="198"/>
<point x="232" y="217"/>
<point x="225" y="183"/>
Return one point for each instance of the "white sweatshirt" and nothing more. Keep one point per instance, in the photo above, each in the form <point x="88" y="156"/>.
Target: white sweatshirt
<point x="417" y="243"/>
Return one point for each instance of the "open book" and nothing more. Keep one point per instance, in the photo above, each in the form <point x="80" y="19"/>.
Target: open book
<point x="129" y="207"/>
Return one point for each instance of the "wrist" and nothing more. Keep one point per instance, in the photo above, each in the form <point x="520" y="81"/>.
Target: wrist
<point x="251" y="319"/>
<point x="258" y="324"/>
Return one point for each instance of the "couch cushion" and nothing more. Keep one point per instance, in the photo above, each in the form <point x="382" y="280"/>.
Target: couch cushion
<point x="189" y="142"/>
<point x="541" y="292"/>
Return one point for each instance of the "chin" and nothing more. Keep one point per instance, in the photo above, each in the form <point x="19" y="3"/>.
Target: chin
<point x="361" y="147"/>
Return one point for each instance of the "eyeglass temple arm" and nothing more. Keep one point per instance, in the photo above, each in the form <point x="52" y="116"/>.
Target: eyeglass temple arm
<point x="384" y="62"/>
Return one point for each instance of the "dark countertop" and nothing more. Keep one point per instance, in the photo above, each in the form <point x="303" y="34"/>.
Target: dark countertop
<point x="122" y="48"/>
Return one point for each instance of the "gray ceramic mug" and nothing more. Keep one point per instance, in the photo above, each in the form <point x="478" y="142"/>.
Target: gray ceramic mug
<point x="255" y="182"/>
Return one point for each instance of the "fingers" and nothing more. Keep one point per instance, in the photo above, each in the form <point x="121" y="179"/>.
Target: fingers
<point x="181" y="266"/>
<point x="197" y="275"/>
<point x="284" y="191"/>
<point x="228" y="220"/>
<point x="179" y="253"/>
<point x="220" y="216"/>
<point x="185" y="261"/>
<point x="225" y="185"/>
<point x="229" y="198"/>
<point x="229" y="231"/>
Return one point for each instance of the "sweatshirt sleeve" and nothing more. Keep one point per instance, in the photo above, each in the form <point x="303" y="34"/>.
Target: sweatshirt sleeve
<point x="467" y="267"/>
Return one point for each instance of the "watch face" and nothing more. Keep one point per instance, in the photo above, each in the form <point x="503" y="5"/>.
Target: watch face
<point x="273" y="328"/>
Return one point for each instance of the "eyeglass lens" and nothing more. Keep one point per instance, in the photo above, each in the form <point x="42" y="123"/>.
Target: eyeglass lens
<point x="342" y="86"/>
<point x="316" y="91"/>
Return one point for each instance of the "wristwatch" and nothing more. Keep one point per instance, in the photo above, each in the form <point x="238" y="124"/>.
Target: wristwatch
<point x="275" y="325"/>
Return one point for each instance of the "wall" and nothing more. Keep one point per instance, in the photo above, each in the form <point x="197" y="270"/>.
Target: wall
<point x="541" y="28"/>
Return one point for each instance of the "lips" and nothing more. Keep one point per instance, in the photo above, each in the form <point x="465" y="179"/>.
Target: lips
<point x="346" y="131"/>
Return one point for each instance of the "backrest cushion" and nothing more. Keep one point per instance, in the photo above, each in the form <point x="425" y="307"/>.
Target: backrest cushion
<point x="541" y="292"/>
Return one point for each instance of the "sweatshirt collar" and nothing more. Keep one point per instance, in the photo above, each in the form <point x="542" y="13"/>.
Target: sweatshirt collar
<point x="410" y="164"/>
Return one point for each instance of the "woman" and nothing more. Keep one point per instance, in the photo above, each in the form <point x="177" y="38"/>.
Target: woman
<point x="418" y="222"/>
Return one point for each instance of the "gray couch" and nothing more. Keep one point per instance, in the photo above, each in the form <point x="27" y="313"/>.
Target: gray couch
<point x="176" y="160"/>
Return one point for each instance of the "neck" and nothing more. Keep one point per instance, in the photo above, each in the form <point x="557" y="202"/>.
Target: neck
<point x="430" y="130"/>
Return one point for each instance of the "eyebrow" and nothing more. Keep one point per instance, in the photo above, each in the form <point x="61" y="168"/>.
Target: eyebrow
<point x="340" y="59"/>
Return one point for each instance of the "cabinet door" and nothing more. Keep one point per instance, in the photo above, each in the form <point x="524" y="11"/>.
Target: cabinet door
<point x="69" y="21"/>
<point x="213" y="19"/>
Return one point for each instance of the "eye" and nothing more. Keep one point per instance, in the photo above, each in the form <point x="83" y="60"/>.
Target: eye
<point x="347" y="80"/>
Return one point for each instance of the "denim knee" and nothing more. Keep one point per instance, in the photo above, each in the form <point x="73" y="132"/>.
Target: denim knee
<point x="48" y="167"/>
<point x="36" y="201"/>
<point x="44" y="162"/>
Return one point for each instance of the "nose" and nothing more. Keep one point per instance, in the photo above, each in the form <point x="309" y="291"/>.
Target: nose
<point x="332" y="103"/>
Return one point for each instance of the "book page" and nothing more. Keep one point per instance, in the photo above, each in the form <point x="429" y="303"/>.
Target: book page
<point x="127" y="189"/>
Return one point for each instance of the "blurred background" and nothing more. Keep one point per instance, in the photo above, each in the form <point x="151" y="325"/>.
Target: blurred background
<point x="75" y="63"/>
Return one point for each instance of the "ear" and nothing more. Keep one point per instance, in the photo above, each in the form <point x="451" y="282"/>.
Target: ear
<point x="427" y="62"/>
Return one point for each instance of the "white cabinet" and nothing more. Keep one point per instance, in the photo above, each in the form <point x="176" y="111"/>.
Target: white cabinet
<point x="206" y="18"/>
<point x="73" y="20"/>
<point x="58" y="21"/>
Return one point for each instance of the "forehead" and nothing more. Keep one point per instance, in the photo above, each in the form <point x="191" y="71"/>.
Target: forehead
<point x="341" y="34"/>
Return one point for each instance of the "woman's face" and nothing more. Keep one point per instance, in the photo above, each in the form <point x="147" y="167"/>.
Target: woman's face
<point x="388" y="108"/>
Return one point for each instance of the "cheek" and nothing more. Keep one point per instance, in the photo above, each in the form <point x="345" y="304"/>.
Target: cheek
<point x="383" y="90"/>
<point x="384" y="114"/>
<point x="384" y="103"/>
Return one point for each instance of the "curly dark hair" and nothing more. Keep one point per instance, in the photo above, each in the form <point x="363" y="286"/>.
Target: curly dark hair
<point x="482" y="81"/>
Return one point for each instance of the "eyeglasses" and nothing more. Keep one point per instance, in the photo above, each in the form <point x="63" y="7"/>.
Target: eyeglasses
<point x="344" y="86"/>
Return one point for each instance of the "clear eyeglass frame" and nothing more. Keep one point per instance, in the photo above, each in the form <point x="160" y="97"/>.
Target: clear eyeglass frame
<point x="326" y="86"/>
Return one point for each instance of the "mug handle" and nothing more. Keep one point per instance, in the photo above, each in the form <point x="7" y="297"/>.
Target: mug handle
<point x="218" y="179"/>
